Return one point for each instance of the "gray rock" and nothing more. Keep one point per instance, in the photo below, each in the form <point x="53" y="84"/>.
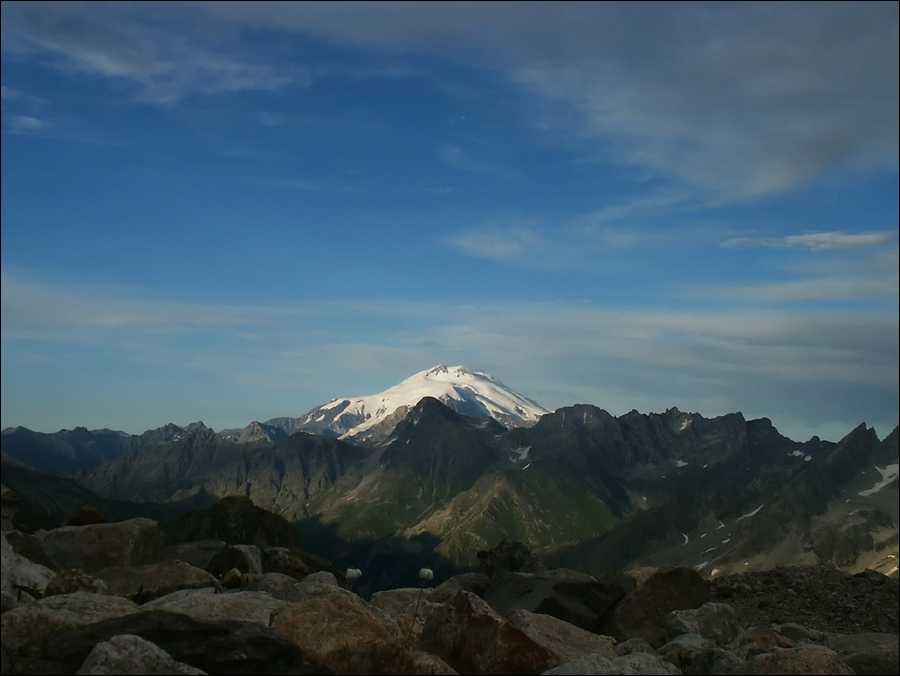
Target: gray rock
<point x="295" y="563"/>
<point x="684" y="649"/>
<point x="148" y="582"/>
<point x="715" y="661"/>
<point x="584" y="603"/>
<point x="635" y="663"/>
<point x="314" y="580"/>
<point x="29" y="546"/>
<point x="203" y="605"/>
<point x="807" y="659"/>
<point x="246" y="558"/>
<point x="477" y="583"/>
<point x="94" y="547"/>
<point x="221" y="647"/>
<point x="798" y="632"/>
<point x="510" y="556"/>
<point x="197" y="553"/>
<point x="645" y="611"/>
<point x="38" y="620"/>
<point x="868" y="653"/>
<point x="336" y="629"/>
<point x="9" y="502"/>
<point x="69" y="581"/>
<point x="19" y="574"/>
<point x="716" y="622"/>
<point x="473" y="639"/>
<point x="633" y="645"/>
<point x="126" y="654"/>
<point x="277" y="585"/>
<point x="565" y="640"/>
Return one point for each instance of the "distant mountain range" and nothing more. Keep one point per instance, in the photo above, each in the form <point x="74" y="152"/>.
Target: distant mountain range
<point x="592" y="491"/>
<point x="362" y="420"/>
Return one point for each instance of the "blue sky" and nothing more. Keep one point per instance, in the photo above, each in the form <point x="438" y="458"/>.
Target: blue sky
<point x="234" y="211"/>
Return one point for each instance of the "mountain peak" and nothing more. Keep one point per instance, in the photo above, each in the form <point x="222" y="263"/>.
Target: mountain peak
<point x="372" y="418"/>
<point x="457" y="371"/>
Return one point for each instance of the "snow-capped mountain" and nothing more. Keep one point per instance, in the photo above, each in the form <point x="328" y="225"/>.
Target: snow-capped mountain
<point x="373" y="417"/>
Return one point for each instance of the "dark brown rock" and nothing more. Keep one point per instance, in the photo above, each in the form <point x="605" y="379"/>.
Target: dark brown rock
<point x="219" y="647"/>
<point x="85" y="516"/>
<point x="510" y="556"/>
<point x="868" y="653"/>
<point x="296" y="563"/>
<point x="245" y="558"/>
<point x="91" y="548"/>
<point x="334" y="628"/>
<point x="808" y="659"/>
<point x="473" y="639"/>
<point x="126" y="654"/>
<point x="69" y="581"/>
<point x="644" y="612"/>
<point x="582" y="602"/>
<point x="148" y="582"/>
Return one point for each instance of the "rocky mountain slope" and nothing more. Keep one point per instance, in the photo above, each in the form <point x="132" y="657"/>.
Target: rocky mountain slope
<point x="597" y="492"/>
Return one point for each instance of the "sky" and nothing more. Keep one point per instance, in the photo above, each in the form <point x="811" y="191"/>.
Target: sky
<point x="235" y="211"/>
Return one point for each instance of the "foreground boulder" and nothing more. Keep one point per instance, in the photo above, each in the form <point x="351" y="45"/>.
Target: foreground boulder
<point x="633" y="663"/>
<point x="807" y="659"/>
<point x="127" y="654"/>
<point x="147" y="582"/>
<point x="20" y="576"/>
<point x="205" y="604"/>
<point x="216" y="647"/>
<point x="94" y="547"/>
<point x="564" y="640"/>
<point x="29" y="624"/>
<point x="336" y="629"/>
<point x="644" y="612"/>
<point x="473" y="639"/>
<point x="868" y="653"/>
<point x="572" y="597"/>
<point x="716" y="622"/>
<point x="296" y="563"/>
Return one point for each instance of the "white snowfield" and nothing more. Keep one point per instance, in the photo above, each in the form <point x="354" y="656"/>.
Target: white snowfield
<point x="888" y="474"/>
<point x="472" y="393"/>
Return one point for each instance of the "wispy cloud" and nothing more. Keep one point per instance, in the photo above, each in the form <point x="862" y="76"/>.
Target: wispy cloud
<point x="26" y="125"/>
<point x="803" y="369"/>
<point x="835" y="289"/>
<point x="271" y="119"/>
<point x="501" y="243"/>
<point x="737" y="99"/>
<point x="458" y="158"/>
<point x="50" y="312"/>
<point x="139" y="45"/>
<point x="817" y="241"/>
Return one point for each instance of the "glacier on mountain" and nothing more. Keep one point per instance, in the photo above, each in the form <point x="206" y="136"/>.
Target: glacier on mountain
<point x="372" y="418"/>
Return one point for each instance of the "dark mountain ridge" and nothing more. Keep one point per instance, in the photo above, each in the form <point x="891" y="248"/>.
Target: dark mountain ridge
<point x="593" y="491"/>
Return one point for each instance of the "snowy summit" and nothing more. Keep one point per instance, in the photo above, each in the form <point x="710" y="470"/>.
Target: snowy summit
<point x="373" y="417"/>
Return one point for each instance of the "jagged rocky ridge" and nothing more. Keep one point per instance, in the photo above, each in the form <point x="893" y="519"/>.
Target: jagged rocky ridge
<point x="134" y="598"/>
<point x="599" y="492"/>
